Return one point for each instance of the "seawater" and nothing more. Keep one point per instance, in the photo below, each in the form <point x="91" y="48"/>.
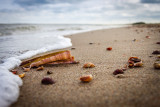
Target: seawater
<point x="21" y="41"/>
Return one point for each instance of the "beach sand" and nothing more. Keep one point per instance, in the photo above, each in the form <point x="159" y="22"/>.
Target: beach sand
<point x="140" y="87"/>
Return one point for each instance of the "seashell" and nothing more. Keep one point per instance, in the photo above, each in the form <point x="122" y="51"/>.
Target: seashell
<point x="14" y="71"/>
<point x="69" y="61"/>
<point x="118" y="71"/>
<point x="86" y="78"/>
<point x="156" y="52"/>
<point x="109" y="48"/>
<point x="40" y="68"/>
<point x="26" y="69"/>
<point x="134" y="59"/>
<point x="138" y="64"/>
<point x="22" y="75"/>
<point x="88" y="65"/>
<point x="49" y="72"/>
<point x="55" y="57"/>
<point x="47" y="81"/>
<point x="120" y="76"/>
<point x="157" y="65"/>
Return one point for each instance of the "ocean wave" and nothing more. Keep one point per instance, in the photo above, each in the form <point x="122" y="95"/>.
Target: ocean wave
<point x="9" y="88"/>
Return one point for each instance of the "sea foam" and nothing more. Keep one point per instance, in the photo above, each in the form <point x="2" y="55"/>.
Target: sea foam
<point x="10" y="83"/>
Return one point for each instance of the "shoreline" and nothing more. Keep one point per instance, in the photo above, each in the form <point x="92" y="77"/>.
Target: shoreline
<point x="105" y="89"/>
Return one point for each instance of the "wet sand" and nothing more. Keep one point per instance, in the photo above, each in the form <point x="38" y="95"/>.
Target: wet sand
<point x="139" y="88"/>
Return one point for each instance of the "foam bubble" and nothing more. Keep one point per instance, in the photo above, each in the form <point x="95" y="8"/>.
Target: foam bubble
<point x="9" y="88"/>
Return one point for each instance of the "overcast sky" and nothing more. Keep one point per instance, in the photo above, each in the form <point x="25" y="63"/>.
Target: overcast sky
<point x="79" y="11"/>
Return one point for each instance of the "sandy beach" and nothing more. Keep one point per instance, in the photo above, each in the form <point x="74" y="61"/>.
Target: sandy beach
<point x="139" y="88"/>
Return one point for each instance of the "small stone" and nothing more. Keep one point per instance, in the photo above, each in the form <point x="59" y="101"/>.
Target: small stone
<point x="156" y="52"/>
<point x="109" y="48"/>
<point x="90" y="43"/>
<point x="120" y="76"/>
<point x="138" y="64"/>
<point x="157" y="65"/>
<point x="73" y="48"/>
<point x="118" y="71"/>
<point x="158" y="43"/>
<point x="86" y="78"/>
<point x="49" y="72"/>
<point x="47" y="81"/>
<point x="148" y="37"/>
<point x="88" y="65"/>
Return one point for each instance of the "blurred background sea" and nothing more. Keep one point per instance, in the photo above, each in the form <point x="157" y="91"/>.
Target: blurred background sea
<point x="17" y="39"/>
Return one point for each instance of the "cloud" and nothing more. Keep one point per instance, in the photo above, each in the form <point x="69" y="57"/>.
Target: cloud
<point x="150" y="1"/>
<point x="78" y="11"/>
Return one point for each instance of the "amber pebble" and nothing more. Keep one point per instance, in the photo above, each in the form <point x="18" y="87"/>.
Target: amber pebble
<point x="156" y="52"/>
<point x="88" y="65"/>
<point x="157" y="65"/>
<point x="47" y="81"/>
<point x="86" y="78"/>
<point x="109" y="48"/>
<point x="118" y="71"/>
<point x="21" y="75"/>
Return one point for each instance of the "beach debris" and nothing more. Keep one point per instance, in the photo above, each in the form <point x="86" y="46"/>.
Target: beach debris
<point x="91" y="43"/>
<point x="138" y="64"/>
<point x="88" y="65"/>
<point x="156" y="65"/>
<point x="148" y="37"/>
<point x="120" y="76"/>
<point x="86" y="78"/>
<point x="135" y="62"/>
<point x="158" y="56"/>
<point x="134" y="40"/>
<point x="47" y="81"/>
<point x="22" y="75"/>
<point x="150" y="56"/>
<point x="14" y="71"/>
<point x="40" y="68"/>
<point x="61" y="57"/>
<point x="49" y="72"/>
<point x="109" y="48"/>
<point x="26" y="69"/>
<point x="118" y="71"/>
<point x="156" y="52"/>
<point x="158" y="43"/>
<point x="73" y="48"/>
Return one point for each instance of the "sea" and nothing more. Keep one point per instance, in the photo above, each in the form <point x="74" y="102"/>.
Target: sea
<point x="21" y="41"/>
